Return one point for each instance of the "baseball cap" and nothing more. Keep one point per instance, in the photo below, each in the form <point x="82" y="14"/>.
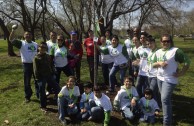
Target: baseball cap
<point x="73" y="33"/>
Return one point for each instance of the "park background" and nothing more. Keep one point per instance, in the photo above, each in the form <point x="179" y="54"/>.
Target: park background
<point x="42" y="16"/>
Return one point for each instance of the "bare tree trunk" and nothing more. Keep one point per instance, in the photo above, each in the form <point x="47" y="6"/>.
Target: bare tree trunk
<point x="6" y="34"/>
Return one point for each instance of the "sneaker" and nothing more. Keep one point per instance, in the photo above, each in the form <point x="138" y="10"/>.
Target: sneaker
<point x="64" y="122"/>
<point x="47" y="93"/>
<point x="27" y="100"/>
<point x="44" y="109"/>
<point x="110" y="92"/>
<point x="90" y="118"/>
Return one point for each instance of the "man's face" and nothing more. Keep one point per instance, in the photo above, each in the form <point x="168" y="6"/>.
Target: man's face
<point x="53" y="36"/>
<point x="27" y="36"/>
<point x="74" y="37"/>
<point x="98" y="94"/>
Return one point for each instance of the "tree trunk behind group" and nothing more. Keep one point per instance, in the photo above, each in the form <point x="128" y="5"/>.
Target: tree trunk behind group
<point x="6" y="33"/>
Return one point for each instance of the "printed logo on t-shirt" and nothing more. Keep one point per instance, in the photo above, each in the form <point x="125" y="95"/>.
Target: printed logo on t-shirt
<point x="114" y="52"/>
<point x="31" y="48"/>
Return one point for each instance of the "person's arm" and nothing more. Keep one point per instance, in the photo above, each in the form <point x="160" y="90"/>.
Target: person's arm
<point x="13" y="40"/>
<point x="125" y="53"/>
<point x="106" y="118"/>
<point x="183" y="59"/>
<point x="35" y="68"/>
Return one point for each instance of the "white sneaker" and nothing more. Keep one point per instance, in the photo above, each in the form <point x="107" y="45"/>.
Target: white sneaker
<point x="47" y="93"/>
<point x="64" y="122"/>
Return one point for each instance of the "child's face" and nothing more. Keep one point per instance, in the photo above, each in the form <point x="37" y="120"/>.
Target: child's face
<point x="148" y="96"/>
<point x="87" y="90"/>
<point x="127" y="83"/>
<point x="71" y="83"/>
<point x="98" y="94"/>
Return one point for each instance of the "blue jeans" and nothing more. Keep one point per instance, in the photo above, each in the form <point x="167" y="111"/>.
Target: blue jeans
<point x="112" y="76"/>
<point x="148" y="119"/>
<point x="166" y="90"/>
<point x="154" y="86"/>
<point x="64" y="109"/>
<point x="53" y="86"/>
<point x="42" y="93"/>
<point x="97" y="112"/>
<point x="28" y="72"/>
<point x="141" y="85"/>
<point x="66" y="69"/>
<point x="105" y="71"/>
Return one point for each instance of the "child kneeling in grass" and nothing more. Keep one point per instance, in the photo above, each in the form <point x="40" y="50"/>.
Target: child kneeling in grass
<point x="101" y="107"/>
<point x="149" y="107"/>
<point x="67" y="99"/>
<point x="88" y="95"/>
<point x="126" y="99"/>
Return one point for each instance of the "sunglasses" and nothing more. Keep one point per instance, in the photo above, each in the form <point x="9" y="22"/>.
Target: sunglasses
<point x="60" y="39"/>
<point x="166" y="41"/>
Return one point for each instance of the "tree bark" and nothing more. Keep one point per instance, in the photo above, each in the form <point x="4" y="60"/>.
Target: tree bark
<point x="6" y="34"/>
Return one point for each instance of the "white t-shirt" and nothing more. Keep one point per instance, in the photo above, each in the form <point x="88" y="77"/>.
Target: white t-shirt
<point x="103" y="102"/>
<point x="143" y="67"/>
<point x="117" y="55"/>
<point x="60" y="56"/>
<point x="124" y="96"/>
<point x="69" y="93"/>
<point x="28" y="51"/>
<point x="50" y="44"/>
<point x="129" y="46"/>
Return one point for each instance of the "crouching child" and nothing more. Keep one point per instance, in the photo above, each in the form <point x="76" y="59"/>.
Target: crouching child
<point x="149" y="107"/>
<point x="101" y="107"/>
<point x="67" y="100"/>
<point x="126" y="99"/>
<point x="87" y="96"/>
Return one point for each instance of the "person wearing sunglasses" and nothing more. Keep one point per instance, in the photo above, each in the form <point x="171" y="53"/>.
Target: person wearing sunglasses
<point x="168" y="58"/>
<point x="59" y="54"/>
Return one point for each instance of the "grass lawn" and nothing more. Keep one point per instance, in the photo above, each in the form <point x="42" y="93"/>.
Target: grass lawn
<point x="15" y="112"/>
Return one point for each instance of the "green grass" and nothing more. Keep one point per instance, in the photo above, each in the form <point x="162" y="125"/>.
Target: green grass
<point x="13" y="108"/>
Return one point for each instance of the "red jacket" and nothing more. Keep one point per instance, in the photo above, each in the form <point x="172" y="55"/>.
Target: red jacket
<point x="89" y="46"/>
<point x="77" y="45"/>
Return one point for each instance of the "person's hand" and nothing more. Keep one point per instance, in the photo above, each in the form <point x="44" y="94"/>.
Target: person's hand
<point x="156" y="113"/>
<point x="177" y="74"/>
<point x="83" y="110"/>
<point x="95" y="39"/>
<point x="71" y="105"/>
<point x="14" y="27"/>
<point x="163" y="64"/>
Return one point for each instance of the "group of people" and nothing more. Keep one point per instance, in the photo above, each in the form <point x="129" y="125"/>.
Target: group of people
<point x="153" y="74"/>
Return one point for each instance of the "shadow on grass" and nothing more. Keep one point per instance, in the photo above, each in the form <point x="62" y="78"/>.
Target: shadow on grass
<point x="9" y="87"/>
<point x="10" y="67"/>
<point x="183" y="109"/>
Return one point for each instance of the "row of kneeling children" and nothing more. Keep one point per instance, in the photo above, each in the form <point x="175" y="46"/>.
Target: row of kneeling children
<point x="95" y="105"/>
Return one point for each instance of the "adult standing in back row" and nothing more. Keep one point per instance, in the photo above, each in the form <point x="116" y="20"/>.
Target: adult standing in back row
<point x="28" y="50"/>
<point x="168" y="58"/>
<point x="89" y="46"/>
<point x="78" y="51"/>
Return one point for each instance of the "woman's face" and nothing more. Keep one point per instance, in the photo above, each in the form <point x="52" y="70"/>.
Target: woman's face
<point x="60" y="40"/>
<point x="135" y="41"/>
<point x="151" y="45"/>
<point x="165" y="42"/>
<point x="114" y="42"/>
